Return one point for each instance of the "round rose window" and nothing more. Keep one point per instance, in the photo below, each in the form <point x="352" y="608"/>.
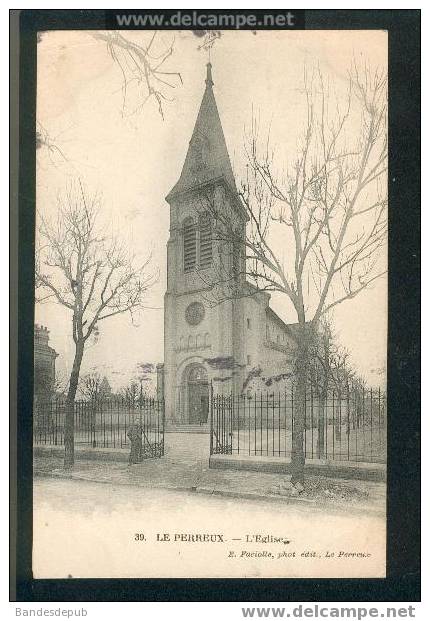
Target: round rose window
<point x="195" y="313"/>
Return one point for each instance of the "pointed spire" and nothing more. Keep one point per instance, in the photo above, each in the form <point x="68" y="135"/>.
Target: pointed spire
<point x="207" y="157"/>
<point x="209" y="80"/>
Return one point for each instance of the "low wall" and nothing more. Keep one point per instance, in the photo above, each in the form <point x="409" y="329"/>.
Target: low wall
<point x="98" y="454"/>
<point x="338" y="469"/>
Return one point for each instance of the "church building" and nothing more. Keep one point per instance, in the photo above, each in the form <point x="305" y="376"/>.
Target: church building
<point x="234" y="344"/>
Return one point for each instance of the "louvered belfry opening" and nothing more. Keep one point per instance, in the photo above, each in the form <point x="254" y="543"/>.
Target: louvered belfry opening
<point x="205" y="240"/>
<point x="190" y="245"/>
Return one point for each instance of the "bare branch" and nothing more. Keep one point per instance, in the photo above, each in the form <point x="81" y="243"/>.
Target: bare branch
<point x="140" y="67"/>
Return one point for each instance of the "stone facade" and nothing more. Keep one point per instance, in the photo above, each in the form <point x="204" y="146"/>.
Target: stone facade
<point x="44" y="364"/>
<point x="234" y="344"/>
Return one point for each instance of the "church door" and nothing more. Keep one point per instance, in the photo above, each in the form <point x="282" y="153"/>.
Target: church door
<point x="198" y="396"/>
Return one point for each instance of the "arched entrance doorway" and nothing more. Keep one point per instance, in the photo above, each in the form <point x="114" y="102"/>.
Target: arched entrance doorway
<point x="197" y="389"/>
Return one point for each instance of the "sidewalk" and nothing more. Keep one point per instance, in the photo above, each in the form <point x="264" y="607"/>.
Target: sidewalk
<point x="185" y="466"/>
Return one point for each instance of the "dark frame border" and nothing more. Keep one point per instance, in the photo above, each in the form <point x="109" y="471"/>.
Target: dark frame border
<point x="403" y="524"/>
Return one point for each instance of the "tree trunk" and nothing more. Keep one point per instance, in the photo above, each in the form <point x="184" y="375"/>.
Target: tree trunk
<point x="69" y="428"/>
<point x="297" y="453"/>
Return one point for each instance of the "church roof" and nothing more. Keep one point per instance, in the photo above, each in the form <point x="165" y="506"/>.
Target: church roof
<point x="207" y="157"/>
<point x="292" y="329"/>
<point x="275" y="317"/>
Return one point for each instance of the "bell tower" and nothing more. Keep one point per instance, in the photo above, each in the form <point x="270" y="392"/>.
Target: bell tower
<point x="203" y="342"/>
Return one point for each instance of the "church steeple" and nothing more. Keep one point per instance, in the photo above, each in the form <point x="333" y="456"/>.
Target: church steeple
<point x="207" y="158"/>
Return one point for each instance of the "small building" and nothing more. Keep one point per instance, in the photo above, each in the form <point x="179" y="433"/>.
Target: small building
<point x="239" y="343"/>
<point x="44" y="365"/>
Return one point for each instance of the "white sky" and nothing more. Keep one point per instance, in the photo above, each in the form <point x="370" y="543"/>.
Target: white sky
<point x="135" y="160"/>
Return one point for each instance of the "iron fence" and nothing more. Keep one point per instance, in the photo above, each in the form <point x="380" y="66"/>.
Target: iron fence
<point x="102" y="424"/>
<point x="342" y="427"/>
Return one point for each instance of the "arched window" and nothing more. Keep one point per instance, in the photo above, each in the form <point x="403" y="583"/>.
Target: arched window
<point x="190" y="247"/>
<point x="197" y="373"/>
<point x="205" y="226"/>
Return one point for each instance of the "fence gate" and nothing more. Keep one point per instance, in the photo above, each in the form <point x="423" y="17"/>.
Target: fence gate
<point x="221" y="433"/>
<point x="102" y="424"/>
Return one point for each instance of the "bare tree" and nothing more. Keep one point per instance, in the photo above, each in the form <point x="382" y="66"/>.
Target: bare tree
<point x="60" y="384"/>
<point x="330" y="369"/>
<point x="132" y="392"/>
<point x="141" y="67"/>
<point x="358" y="390"/>
<point x="329" y="209"/>
<point x="90" y="274"/>
<point x="90" y="386"/>
<point x="319" y="378"/>
<point x="95" y="389"/>
<point x="336" y="369"/>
